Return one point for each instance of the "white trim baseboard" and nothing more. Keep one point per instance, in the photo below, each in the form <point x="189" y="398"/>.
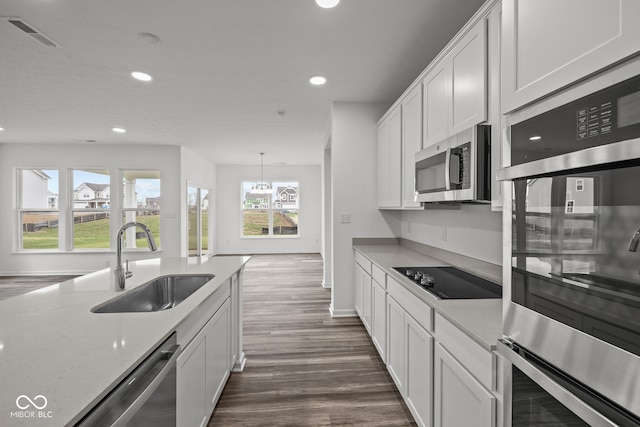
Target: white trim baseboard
<point x="342" y="313"/>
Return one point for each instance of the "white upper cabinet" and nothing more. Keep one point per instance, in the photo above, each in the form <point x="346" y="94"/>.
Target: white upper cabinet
<point x="390" y="160"/>
<point x="455" y="90"/>
<point x="437" y="90"/>
<point x="549" y="44"/>
<point x="469" y="84"/>
<point x="411" y="144"/>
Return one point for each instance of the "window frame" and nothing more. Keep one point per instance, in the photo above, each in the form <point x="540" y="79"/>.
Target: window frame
<point x="20" y="210"/>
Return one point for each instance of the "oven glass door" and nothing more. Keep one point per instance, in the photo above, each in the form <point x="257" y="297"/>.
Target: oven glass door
<point x="431" y="174"/>
<point x="576" y="251"/>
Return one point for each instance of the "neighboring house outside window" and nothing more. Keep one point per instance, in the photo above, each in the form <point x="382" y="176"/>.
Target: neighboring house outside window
<point x="270" y="212"/>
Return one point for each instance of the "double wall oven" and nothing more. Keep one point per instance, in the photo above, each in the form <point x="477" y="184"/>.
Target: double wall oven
<point x="572" y="310"/>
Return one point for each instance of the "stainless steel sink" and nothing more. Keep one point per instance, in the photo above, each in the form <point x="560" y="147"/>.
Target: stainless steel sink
<point x="161" y="293"/>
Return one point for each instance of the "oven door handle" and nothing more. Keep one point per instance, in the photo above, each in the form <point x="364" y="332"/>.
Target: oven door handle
<point x="171" y="354"/>
<point x="561" y="394"/>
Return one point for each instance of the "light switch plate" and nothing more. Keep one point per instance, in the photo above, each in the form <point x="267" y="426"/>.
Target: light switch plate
<point x="345" y="218"/>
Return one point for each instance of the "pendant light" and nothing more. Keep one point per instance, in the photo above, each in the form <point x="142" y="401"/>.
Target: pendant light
<point x="261" y="187"/>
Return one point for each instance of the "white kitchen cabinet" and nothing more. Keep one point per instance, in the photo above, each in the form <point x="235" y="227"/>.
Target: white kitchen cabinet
<point x="494" y="116"/>
<point x="358" y="289"/>
<point x="419" y="379"/>
<point x="395" y="338"/>
<point x="436" y="93"/>
<point x="459" y="398"/>
<point x="409" y="360"/>
<point x="549" y="44"/>
<point x="411" y="144"/>
<point x="455" y="90"/>
<point x="379" y="318"/>
<point x="366" y="302"/>
<point x="191" y="383"/>
<point x="218" y="354"/>
<point x="390" y="160"/>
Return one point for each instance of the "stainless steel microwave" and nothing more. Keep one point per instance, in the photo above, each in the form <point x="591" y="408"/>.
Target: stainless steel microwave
<point x="456" y="169"/>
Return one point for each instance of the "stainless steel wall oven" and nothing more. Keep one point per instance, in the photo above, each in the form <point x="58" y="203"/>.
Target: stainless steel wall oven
<point x="572" y="314"/>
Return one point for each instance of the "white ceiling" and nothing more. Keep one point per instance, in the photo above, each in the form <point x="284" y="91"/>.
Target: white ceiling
<point x="222" y="70"/>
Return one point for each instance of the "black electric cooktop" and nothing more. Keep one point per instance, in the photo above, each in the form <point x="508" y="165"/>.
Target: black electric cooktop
<point x="451" y="283"/>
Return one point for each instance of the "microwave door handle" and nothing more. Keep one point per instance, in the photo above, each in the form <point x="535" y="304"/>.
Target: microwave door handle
<point x="447" y="165"/>
<point x="454" y="168"/>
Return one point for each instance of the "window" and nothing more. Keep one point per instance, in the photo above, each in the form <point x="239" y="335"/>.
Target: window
<point x="198" y="220"/>
<point x="141" y="203"/>
<point x="272" y="211"/>
<point x="90" y="209"/>
<point x="38" y="209"/>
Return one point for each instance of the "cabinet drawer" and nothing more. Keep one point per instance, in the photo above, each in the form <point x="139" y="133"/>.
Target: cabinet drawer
<point x="478" y="361"/>
<point x="419" y="310"/>
<point x="363" y="261"/>
<point x="379" y="275"/>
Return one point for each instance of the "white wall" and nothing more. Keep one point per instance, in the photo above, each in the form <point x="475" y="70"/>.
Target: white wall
<point x="354" y="190"/>
<point x="474" y="231"/>
<point x="66" y="156"/>
<point x="229" y="213"/>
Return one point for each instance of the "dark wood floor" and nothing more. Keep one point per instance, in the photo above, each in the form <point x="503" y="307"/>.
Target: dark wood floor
<point x="304" y="368"/>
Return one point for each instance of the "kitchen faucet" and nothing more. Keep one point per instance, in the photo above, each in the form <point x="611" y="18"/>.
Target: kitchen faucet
<point x="633" y="244"/>
<point x="120" y="273"/>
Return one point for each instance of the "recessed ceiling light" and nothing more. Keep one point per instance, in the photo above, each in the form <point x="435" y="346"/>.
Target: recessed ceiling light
<point x="327" y="4"/>
<point x="118" y="130"/>
<point x="143" y="77"/>
<point x="317" y="80"/>
<point x="535" y="138"/>
<point x="1" y="128"/>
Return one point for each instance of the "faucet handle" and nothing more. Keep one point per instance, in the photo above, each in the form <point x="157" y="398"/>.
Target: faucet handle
<point x="127" y="273"/>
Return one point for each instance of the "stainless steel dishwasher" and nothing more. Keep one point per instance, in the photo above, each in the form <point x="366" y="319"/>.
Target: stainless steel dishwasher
<point x="147" y="397"/>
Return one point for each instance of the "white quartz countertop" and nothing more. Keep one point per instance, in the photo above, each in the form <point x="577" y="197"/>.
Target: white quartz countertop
<point x="480" y="319"/>
<point x="53" y="347"/>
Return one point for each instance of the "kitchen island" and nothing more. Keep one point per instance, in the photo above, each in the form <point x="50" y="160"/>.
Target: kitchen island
<point x="66" y="359"/>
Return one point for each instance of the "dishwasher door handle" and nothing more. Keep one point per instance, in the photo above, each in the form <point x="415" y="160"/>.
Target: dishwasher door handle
<point x="172" y="354"/>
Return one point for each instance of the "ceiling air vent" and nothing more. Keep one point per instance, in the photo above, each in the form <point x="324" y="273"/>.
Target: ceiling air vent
<point x="19" y="23"/>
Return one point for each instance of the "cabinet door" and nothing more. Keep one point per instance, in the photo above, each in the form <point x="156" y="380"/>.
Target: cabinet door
<point x="468" y="101"/>
<point x="379" y="319"/>
<point x="191" y="386"/>
<point x="459" y="399"/>
<point x="411" y="143"/>
<point x="396" y="348"/>
<point x="552" y="43"/>
<point x="234" y="317"/>
<point x="366" y="302"/>
<point x="218" y="354"/>
<point x="419" y="348"/>
<point x="359" y="283"/>
<point x="436" y="93"/>
<point x="390" y="160"/>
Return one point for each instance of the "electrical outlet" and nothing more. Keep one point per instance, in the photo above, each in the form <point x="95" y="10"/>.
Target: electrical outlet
<point x="345" y="218"/>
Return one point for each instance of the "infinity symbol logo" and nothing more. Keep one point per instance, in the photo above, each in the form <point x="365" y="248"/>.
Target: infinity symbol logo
<point x="33" y="403"/>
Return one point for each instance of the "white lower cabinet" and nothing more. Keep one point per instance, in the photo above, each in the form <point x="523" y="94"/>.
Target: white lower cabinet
<point x="191" y="384"/>
<point x="418" y="389"/>
<point x="218" y="354"/>
<point x="203" y="369"/>
<point x="360" y="275"/>
<point x="379" y="318"/>
<point x="460" y="400"/>
<point x="409" y="361"/>
<point x="396" y="348"/>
